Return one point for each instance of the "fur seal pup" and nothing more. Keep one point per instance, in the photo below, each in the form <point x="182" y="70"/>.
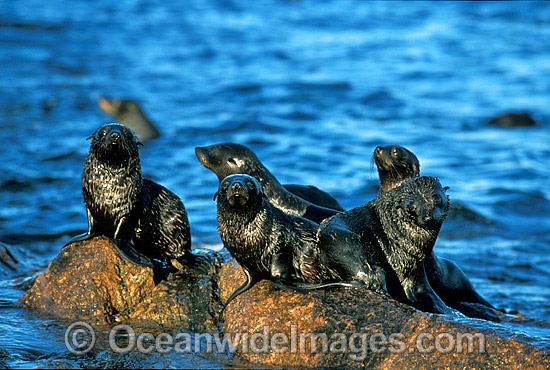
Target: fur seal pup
<point x="397" y="165"/>
<point x="130" y="114"/>
<point x="229" y="159"/>
<point x="147" y="223"/>
<point x="271" y="244"/>
<point x="400" y="227"/>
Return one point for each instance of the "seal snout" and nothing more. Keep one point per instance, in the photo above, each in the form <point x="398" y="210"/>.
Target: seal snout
<point x="237" y="192"/>
<point x="115" y="135"/>
<point x="205" y="156"/>
<point x="381" y="158"/>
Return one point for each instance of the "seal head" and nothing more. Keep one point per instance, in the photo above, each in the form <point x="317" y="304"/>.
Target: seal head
<point x="229" y="159"/>
<point x="396" y="165"/>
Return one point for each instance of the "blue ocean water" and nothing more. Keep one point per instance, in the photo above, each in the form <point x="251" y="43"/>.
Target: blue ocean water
<point x="312" y="87"/>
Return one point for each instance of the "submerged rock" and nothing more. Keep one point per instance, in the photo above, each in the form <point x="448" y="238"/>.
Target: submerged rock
<point x="90" y="281"/>
<point x="7" y="259"/>
<point x="359" y="328"/>
<point x="513" y="120"/>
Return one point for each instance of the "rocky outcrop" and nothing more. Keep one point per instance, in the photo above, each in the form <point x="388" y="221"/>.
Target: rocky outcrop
<point x="354" y="328"/>
<point x="90" y="281"/>
<point x="271" y="327"/>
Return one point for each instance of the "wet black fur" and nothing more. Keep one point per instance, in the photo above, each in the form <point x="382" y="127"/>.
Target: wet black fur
<point x="397" y="165"/>
<point x="148" y="223"/>
<point x="400" y="228"/>
<point x="271" y="244"/>
<point x="229" y="159"/>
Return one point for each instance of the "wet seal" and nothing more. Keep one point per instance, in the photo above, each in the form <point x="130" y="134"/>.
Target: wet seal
<point x="147" y="223"/>
<point x="400" y="228"/>
<point x="271" y="244"/>
<point x="397" y="165"/>
<point x="129" y="113"/>
<point x="230" y="159"/>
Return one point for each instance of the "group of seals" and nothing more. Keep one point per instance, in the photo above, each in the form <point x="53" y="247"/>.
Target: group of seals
<point x="387" y="242"/>
<point x="147" y="223"/>
<point x="397" y="165"/>
<point x="298" y="237"/>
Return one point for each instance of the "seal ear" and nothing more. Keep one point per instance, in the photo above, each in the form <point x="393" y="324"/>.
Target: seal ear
<point x="215" y="195"/>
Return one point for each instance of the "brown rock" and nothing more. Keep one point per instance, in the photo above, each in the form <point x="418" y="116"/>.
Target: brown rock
<point x="362" y="329"/>
<point x="90" y="281"/>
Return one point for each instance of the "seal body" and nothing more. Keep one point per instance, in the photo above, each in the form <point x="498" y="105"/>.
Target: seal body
<point x="397" y="165"/>
<point x="229" y="159"/>
<point x="271" y="244"/>
<point x="400" y="228"/>
<point x="314" y="195"/>
<point x="129" y="113"/>
<point x="147" y="222"/>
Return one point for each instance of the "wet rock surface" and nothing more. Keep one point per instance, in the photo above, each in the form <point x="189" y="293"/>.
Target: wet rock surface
<point x="90" y="281"/>
<point x="8" y="262"/>
<point x="271" y="327"/>
<point x="362" y="329"/>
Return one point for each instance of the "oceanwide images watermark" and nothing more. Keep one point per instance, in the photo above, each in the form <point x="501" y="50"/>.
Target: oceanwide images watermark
<point x="80" y="338"/>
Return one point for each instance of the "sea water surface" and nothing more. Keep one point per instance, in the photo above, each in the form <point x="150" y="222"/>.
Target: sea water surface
<point x="312" y="87"/>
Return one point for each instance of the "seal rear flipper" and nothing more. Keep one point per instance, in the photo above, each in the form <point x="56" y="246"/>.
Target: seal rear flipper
<point x="249" y="283"/>
<point x="127" y="251"/>
<point x="478" y="311"/>
<point x="303" y="287"/>
<point x="199" y="264"/>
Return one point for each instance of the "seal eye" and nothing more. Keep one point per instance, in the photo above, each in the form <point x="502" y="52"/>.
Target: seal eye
<point x="410" y="207"/>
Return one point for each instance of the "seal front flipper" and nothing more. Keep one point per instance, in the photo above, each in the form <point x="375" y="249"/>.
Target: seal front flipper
<point x="422" y="296"/>
<point x="90" y="234"/>
<point x="249" y="283"/>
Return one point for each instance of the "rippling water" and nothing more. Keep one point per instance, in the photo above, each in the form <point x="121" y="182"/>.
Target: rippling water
<point x="312" y="88"/>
